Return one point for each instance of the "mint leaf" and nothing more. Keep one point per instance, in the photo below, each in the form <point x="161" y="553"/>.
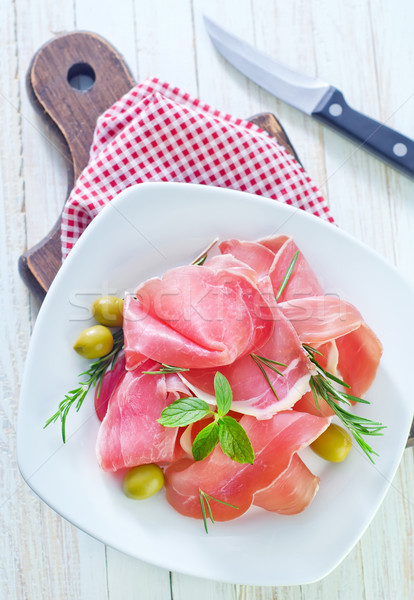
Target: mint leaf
<point x="184" y="412"/>
<point x="234" y="441"/>
<point x="205" y="441"/>
<point x="224" y="395"/>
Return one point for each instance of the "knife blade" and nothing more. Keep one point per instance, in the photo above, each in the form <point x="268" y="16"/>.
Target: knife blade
<point x="315" y="97"/>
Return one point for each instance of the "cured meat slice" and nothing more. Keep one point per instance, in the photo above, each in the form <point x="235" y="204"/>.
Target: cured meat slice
<point x="328" y="356"/>
<point x="174" y="385"/>
<point x="134" y="358"/>
<point x="359" y="356"/>
<point x="129" y="434"/>
<point x="275" y="242"/>
<point x="320" y="319"/>
<point x="257" y="256"/>
<point x="302" y="282"/>
<point x="196" y="317"/>
<point x="109" y="382"/>
<point x="292" y="491"/>
<point x="252" y="394"/>
<point x="274" y="442"/>
<point x="307" y="404"/>
<point x="233" y="264"/>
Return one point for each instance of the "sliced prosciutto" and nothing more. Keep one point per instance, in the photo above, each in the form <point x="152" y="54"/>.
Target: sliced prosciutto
<point x="224" y="316"/>
<point x="275" y="242"/>
<point x="274" y="442"/>
<point x="252" y="394"/>
<point x="320" y="319"/>
<point x="257" y="256"/>
<point x="109" y="382"/>
<point x="290" y="493"/>
<point x="302" y="282"/>
<point x="272" y="256"/>
<point x="129" y="434"/>
<point x="359" y="356"/>
<point x="232" y="264"/>
<point x="196" y="317"/>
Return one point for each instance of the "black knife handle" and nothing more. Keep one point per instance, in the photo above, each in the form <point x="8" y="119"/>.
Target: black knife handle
<point x="391" y="146"/>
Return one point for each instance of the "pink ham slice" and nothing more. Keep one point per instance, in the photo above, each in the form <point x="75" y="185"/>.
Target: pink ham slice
<point x="302" y="283"/>
<point x="359" y="356"/>
<point x="272" y="256"/>
<point x="274" y="442"/>
<point x="196" y="317"/>
<point x="292" y="492"/>
<point x="257" y="256"/>
<point x="232" y="264"/>
<point x="129" y="434"/>
<point x="252" y="394"/>
<point x="320" y="319"/>
<point x="109" y="382"/>
<point x="275" y="242"/>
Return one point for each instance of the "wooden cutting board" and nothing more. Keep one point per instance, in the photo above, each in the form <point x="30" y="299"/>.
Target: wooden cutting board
<point x="74" y="113"/>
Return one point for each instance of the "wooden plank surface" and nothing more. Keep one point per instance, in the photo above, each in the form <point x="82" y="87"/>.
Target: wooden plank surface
<point x="366" y="49"/>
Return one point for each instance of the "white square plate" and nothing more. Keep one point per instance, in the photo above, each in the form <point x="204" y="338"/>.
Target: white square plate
<point x="146" y="230"/>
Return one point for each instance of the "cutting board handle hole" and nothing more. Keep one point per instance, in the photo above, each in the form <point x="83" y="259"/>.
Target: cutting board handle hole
<point x="81" y="77"/>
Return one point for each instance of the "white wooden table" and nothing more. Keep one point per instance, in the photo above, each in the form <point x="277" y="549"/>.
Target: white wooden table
<point x="366" y="49"/>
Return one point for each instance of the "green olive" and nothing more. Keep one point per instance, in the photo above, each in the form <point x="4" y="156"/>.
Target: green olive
<point x="108" y="310"/>
<point x="143" y="482"/>
<point x="94" y="342"/>
<point x="334" y="444"/>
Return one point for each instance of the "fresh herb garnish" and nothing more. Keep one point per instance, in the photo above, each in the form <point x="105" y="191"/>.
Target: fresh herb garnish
<point x="234" y="441"/>
<point x="199" y="262"/>
<point x="165" y="369"/>
<point x="262" y="362"/>
<point x="311" y="350"/>
<point x="94" y="376"/>
<point x="322" y="387"/>
<point x="184" y="412"/>
<point x="206" y="441"/>
<point x="287" y="274"/>
<point x="201" y="258"/>
<point x="224" y="394"/>
<point x="204" y="502"/>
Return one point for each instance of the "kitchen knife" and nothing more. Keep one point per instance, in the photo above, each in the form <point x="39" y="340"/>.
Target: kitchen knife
<point x="316" y="98"/>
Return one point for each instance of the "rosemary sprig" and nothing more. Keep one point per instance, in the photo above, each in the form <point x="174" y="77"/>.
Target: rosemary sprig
<point x="322" y="387"/>
<point x="311" y="350"/>
<point x="165" y="369"/>
<point x="94" y="376"/>
<point x="204" y="501"/>
<point x="287" y="274"/>
<point x="262" y="362"/>
<point x="201" y="258"/>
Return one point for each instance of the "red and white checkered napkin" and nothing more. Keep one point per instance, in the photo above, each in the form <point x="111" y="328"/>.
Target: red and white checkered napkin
<point x="158" y="133"/>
